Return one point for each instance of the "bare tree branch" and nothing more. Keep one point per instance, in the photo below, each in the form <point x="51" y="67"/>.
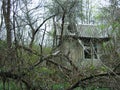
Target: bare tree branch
<point x="118" y="65"/>
<point x="80" y="82"/>
<point x="44" y="22"/>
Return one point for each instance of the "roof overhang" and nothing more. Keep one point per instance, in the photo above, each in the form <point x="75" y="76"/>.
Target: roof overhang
<point x="94" y="39"/>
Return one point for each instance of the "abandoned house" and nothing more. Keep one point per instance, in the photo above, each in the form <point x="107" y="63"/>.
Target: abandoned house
<point x="82" y="43"/>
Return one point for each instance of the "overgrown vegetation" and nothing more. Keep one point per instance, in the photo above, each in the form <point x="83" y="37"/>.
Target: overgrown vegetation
<point x="30" y="50"/>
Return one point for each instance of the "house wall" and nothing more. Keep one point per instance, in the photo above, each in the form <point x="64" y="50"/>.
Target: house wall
<point x="72" y="48"/>
<point x="93" y="62"/>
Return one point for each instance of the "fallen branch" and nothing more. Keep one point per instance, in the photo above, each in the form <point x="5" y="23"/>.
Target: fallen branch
<point x="80" y="82"/>
<point x="56" y="64"/>
<point x="28" y="50"/>
<point x="44" y="58"/>
<point x="71" y="63"/>
<point x="118" y="65"/>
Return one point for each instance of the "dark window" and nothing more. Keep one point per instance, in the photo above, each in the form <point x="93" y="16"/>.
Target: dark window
<point x="87" y="53"/>
<point x="90" y="51"/>
<point x="95" y="51"/>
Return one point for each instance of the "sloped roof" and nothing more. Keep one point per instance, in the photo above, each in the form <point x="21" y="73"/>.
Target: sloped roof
<point x="85" y="30"/>
<point x="90" y="31"/>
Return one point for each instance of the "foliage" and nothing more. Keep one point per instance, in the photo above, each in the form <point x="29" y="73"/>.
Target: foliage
<point x="3" y="44"/>
<point x="27" y="63"/>
<point x="60" y="86"/>
<point x="11" y="85"/>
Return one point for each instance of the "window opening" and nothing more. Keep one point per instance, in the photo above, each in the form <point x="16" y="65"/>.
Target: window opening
<point x="90" y="51"/>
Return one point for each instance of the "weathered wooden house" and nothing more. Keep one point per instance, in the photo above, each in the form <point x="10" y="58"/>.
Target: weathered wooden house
<point x="83" y="45"/>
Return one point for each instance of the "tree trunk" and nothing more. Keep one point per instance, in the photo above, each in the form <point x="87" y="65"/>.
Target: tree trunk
<point x="62" y="29"/>
<point x="6" y="13"/>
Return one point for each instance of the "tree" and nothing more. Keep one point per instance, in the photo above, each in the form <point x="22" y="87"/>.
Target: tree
<point x="28" y="64"/>
<point x="7" y="12"/>
<point x="67" y="12"/>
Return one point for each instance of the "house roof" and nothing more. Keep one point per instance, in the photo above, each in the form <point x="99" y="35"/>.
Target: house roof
<point x="86" y="31"/>
<point x="92" y="31"/>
